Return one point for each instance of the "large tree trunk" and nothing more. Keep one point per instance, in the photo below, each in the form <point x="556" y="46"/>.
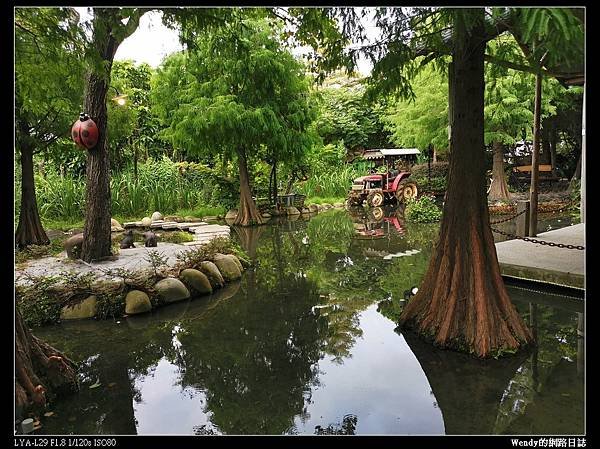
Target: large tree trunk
<point x="248" y="213"/>
<point x="499" y="189"/>
<point x="29" y="230"/>
<point x="40" y="370"/>
<point x="462" y="303"/>
<point x="96" y="230"/>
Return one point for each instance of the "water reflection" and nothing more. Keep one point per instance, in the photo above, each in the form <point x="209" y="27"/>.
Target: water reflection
<point x="305" y="343"/>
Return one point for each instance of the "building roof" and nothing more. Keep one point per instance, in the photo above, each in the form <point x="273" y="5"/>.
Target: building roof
<point x="380" y="153"/>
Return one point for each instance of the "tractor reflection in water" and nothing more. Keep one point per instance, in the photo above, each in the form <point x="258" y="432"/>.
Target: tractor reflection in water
<point x="388" y="181"/>
<point x="376" y="222"/>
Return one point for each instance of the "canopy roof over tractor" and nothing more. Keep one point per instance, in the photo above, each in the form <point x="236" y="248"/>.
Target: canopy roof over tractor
<point x="380" y="153"/>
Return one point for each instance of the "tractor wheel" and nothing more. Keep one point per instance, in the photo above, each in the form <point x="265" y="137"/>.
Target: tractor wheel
<point x="375" y="199"/>
<point x="376" y="213"/>
<point x="407" y="190"/>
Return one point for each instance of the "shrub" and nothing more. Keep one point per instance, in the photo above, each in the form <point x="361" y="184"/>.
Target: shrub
<point x="423" y="210"/>
<point x="438" y="170"/>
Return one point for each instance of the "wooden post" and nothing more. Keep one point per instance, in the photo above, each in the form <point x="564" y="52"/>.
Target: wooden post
<point x="523" y="219"/>
<point x="533" y="189"/>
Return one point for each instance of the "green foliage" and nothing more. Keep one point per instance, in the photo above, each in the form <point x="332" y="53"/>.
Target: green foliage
<point x="439" y="176"/>
<point x="239" y="91"/>
<point x="424" y="121"/>
<point x="345" y="116"/>
<point x="423" y="210"/>
<point x="334" y="182"/>
<point x="48" y="75"/>
<point x="223" y="245"/>
<point x="38" y="251"/>
<point x="176" y="237"/>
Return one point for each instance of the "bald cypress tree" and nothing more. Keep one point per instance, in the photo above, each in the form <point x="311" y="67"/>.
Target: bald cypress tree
<point x="240" y="95"/>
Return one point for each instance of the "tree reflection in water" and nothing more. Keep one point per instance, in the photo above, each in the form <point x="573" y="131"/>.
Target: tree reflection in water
<point x="248" y="355"/>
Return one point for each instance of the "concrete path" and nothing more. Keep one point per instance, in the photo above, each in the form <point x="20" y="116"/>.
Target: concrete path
<point x="133" y="259"/>
<point x="547" y="264"/>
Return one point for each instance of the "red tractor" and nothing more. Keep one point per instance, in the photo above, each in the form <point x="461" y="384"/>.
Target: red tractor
<point x="378" y="188"/>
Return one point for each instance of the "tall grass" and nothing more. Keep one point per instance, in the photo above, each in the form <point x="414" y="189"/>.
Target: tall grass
<point x="334" y="182"/>
<point x="159" y="186"/>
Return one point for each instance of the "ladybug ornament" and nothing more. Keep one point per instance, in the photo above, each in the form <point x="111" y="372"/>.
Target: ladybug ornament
<point x="85" y="132"/>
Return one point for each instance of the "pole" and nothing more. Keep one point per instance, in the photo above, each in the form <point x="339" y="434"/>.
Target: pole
<point x="533" y="190"/>
<point x="582" y="178"/>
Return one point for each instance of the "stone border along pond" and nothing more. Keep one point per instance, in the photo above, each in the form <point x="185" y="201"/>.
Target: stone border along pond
<point x="140" y="279"/>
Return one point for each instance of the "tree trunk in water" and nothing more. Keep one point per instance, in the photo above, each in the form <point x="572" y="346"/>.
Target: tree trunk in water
<point x="462" y="303"/>
<point x="40" y="370"/>
<point x="248" y="214"/>
<point x="29" y="230"/>
<point x="96" y="230"/>
<point x="499" y="189"/>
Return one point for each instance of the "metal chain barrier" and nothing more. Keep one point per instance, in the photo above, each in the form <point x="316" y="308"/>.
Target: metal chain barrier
<point x="539" y="242"/>
<point x="509" y="218"/>
<point x="543" y="292"/>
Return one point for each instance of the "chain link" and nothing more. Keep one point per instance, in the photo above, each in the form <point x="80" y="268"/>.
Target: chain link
<point x="543" y="292"/>
<point x="539" y="242"/>
<point x="509" y="218"/>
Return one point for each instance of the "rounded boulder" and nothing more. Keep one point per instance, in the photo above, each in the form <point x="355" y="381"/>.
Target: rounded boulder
<point x="136" y="302"/>
<point x="146" y="221"/>
<point x="196" y="280"/>
<point x="235" y="260"/>
<point x="171" y="290"/>
<point x="212" y="273"/>
<point x="156" y="216"/>
<point x="228" y="268"/>
<point x="84" y="309"/>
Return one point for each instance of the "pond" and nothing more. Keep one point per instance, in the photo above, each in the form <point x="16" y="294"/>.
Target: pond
<point x="307" y="343"/>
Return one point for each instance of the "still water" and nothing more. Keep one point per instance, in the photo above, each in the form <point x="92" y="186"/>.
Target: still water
<point x="307" y="343"/>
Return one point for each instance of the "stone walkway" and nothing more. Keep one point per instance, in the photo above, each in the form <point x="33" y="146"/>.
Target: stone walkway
<point x="547" y="264"/>
<point x="134" y="259"/>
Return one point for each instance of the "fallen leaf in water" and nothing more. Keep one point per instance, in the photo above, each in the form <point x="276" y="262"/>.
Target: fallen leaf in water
<point x="48" y="414"/>
<point x="565" y="394"/>
<point x="112" y="384"/>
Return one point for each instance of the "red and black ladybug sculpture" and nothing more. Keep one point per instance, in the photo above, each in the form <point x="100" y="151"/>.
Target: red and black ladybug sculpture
<point x="85" y="132"/>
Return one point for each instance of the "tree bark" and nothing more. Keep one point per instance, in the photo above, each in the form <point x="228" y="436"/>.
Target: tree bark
<point x="107" y="24"/>
<point x="248" y="213"/>
<point x="462" y="303"/>
<point x="40" y="370"/>
<point x="499" y="189"/>
<point x="29" y="230"/>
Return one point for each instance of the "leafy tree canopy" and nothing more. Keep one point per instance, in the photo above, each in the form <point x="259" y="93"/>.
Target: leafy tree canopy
<point x="240" y="88"/>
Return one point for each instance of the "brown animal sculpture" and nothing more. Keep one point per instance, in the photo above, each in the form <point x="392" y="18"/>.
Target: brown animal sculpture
<point x="127" y="241"/>
<point x="73" y="246"/>
<point x="149" y="239"/>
